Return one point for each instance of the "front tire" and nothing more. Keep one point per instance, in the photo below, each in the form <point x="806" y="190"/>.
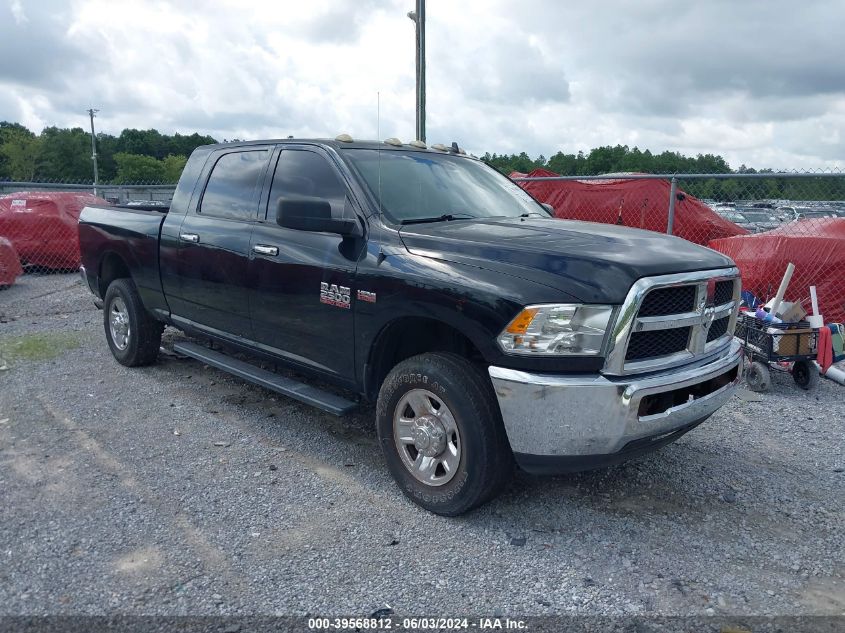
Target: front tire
<point x="441" y="432"/>
<point x="134" y="337"/>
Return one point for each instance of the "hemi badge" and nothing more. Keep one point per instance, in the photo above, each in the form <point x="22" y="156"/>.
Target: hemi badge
<point x="365" y="295"/>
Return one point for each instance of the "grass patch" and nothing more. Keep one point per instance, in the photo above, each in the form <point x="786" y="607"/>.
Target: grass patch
<point x="35" y="347"/>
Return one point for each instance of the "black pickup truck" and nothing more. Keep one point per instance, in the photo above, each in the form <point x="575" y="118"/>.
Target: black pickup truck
<point x="487" y="332"/>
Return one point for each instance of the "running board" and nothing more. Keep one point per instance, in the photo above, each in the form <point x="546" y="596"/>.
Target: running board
<point x="308" y="394"/>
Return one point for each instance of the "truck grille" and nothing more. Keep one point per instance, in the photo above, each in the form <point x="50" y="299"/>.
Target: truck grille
<point x="673" y="300"/>
<point x="673" y="319"/>
<point x="718" y="329"/>
<point x="657" y="343"/>
<point x="723" y="292"/>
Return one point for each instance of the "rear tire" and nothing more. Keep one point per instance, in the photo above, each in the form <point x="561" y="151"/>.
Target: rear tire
<point x="134" y="337"/>
<point x="439" y="411"/>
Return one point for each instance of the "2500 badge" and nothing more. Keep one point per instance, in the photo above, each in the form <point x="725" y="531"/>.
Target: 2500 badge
<point x="334" y="295"/>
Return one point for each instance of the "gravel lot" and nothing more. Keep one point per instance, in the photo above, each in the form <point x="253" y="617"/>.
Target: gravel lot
<point x="175" y="489"/>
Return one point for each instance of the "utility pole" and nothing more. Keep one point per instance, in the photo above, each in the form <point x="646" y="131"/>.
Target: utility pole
<point x="92" y="112"/>
<point x="418" y="16"/>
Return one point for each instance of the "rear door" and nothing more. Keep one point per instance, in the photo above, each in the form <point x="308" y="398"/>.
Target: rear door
<point x="214" y="243"/>
<point x="301" y="299"/>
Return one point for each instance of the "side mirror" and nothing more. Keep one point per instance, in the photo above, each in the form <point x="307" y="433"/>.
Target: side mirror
<point x="312" y="214"/>
<point x="548" y="207"/>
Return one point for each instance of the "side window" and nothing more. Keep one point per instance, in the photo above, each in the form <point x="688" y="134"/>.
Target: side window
<point x="230" y="192"/>
<point x="304" y="174"/>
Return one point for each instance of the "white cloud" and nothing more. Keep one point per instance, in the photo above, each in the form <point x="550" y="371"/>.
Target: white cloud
<point x="17" y="12"/>
<point x="759" y="84"/>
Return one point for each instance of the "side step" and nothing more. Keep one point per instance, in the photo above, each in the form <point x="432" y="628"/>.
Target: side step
<point x="308" y="394"/>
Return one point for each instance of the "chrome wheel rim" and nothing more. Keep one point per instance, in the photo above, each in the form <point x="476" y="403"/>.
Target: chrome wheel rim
<point x="427" y="437"/>
<point x="119" y="324"/>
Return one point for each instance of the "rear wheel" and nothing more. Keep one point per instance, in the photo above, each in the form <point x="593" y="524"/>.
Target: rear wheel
<point x="805" y="374"/>
<point x="134" y="337"/>
<point x="441" y="433"/>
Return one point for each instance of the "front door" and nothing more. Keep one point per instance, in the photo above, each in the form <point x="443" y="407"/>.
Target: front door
<point x="214" y="244"/>
<point x="301" y="301"/>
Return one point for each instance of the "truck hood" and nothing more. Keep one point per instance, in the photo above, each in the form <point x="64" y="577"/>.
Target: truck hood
<point x="595" y="263"/>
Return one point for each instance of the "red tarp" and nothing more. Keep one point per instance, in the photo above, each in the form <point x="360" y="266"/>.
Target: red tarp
<point x="642" y="204"/>
<point x="817" y="248"/>
<point x="42" y="226"/>
<point x="10" y="265"/>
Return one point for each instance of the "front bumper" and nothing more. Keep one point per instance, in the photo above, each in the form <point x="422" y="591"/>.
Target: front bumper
<point x="560" y="423"/>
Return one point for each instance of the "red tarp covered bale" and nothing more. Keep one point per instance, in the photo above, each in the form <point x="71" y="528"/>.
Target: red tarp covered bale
<point x="641" y="204"/>
<point x="817" y="248"/>
<point x="42" y="226"/>
<point x="10" y="265"/>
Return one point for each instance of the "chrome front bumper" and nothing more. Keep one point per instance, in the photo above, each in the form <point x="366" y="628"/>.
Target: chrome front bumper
<point x="579" y="416"/>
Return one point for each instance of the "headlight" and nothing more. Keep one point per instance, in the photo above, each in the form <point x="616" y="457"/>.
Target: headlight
<point x="565" y="329"/>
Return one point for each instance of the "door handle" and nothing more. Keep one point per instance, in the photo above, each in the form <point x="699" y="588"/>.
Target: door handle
<point x="189" y="237"/>
<point x="262" y="249"/>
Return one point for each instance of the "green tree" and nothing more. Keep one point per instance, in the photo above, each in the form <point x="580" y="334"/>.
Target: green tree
<point x="65" y="154"/>
<point x="9" y="130"/>
<point x="20" y="154"/>
<point x="173" y="166"/>
<point x="135" y="168"/>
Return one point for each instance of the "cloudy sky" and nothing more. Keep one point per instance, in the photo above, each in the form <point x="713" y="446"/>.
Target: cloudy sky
<point x="760" y="82"/>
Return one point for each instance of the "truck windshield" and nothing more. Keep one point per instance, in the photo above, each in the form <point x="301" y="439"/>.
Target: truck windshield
<point x="422" y="186"/>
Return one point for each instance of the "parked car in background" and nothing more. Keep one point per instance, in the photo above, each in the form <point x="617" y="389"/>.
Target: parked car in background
<point x="42" y="226"/>
<point x="786" y="213"/>
<point x="732" y="215"/>
<point x="805" y="213"/>
<point x="10" y="265"/>
<point x="758" y="220"/>
<point x="724" y="208"/>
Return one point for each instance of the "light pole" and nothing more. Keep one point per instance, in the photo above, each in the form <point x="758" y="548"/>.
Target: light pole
<point x="418" y="16"/>
<point x="92" y="112"/>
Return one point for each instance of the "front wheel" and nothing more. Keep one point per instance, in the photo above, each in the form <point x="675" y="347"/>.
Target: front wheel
<point x="134" y="337"/>
<point x="442" y="434"/>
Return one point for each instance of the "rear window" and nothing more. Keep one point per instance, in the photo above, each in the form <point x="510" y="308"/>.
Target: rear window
<point x="233" y="185"/>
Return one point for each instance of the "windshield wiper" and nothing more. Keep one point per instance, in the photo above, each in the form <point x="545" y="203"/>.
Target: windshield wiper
<point x="441" y="218"/>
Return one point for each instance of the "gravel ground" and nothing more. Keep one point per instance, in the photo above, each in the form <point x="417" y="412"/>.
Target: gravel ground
<point x="175" y="489"/>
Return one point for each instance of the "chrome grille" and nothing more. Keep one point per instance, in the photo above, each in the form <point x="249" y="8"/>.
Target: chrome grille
<point x="673" y="319"/>
<point x="657" y="343"/>
<point x="718" y="329"/>
<point x="672" y="300"/>
<point x="723" y="292"/>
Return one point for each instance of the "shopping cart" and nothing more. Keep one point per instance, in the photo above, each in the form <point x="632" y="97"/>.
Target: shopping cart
<point x="789" y="347"/>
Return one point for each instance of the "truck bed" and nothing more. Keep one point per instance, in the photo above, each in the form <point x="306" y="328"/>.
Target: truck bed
<point x="108" y="234"/>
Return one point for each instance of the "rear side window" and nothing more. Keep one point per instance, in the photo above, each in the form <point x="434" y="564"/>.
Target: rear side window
<point x="304" y="174"/>
<point x="231" y="189"/>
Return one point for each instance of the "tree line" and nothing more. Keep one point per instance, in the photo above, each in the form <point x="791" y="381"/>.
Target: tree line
<point x="623" y="159"/>
<point x="148" y="156"/>
<point x="64" y="154"/>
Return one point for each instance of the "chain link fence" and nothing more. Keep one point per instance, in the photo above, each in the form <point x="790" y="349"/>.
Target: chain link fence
<point x="38" y="221"/>
<point x="762" y="221"/>
<point x="115" y="193"/>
